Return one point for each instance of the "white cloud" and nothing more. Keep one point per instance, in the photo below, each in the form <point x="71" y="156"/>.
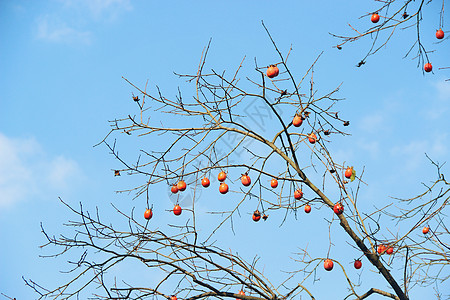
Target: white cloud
<point x="379" y="120"/>
<point x="369" y="147"/>
<point x="15" y="177"/>
<point x="373" y="122"/>
<point x="440" y="103"/>
<point x="71" y="21"/>
<point x="443" y="90"/>
<point x="27" y="172"/>
<point x="60" y="170"/>
<point x="107" y="9"/>
<point x="54" y="31"/>
<point x="413" y="153"/>
<point x="99" y="9"/>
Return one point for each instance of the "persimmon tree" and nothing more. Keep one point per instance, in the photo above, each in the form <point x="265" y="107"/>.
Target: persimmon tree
<point x="187" y="141"/>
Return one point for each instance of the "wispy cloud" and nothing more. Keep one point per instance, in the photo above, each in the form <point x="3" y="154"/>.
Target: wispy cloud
<point x="14" y="175"/>
<point x="59" y="32"/>
<point x="439" y="103"/>
<point x="106" y="9"/>
<point x="376" y="121"/>
<point x="373" y="122"/>
<point x="98" y="10"/>
<point x="26" y="171"/>
<point x="72" y="21"/>
<point x="60" y="171"/>
<point x="443" y="90"/>
<point x="413" y="153"/>
<point x="398" y="129"/>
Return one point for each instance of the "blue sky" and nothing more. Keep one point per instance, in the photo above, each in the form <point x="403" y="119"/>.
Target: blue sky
<point x="61" y="65"/>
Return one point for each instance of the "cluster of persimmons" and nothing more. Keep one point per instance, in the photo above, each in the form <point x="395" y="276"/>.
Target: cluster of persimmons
<point x="338" y="209"/>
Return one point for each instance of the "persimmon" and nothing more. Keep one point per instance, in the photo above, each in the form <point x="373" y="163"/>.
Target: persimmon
<point x="245" y="179"/>
<point x="297" y="121"/>
<point x="148" y="214"/>
<point x="298" y="194"/>
<point x="348" y="173"/>
<point x="223" y="188"/>
<point x="256" y="216"/>
<point x="439" y="34"/>
<point x="241" y="292"/>
<point x="205" y="182"/>
<point x="338" y="208"/>
<point x="375" y="18"/>
<point x="390" y="250"/>
<point x="381" y="248"/>
<point x="428" y="67"/>
<point x="181" y="185"/>
<point x="357" y="264"/>
<point x="425" y="230"/>
<point x="328" y="264"/>
<point x="274" y="183"/>
<point x="272" y="71"/>
<point x="177" y="210"/>
<point x="312" y="138"/>
<point x="174" y="189"/>
<point x="222" y="176"/>
<point x="307" y="208"/>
